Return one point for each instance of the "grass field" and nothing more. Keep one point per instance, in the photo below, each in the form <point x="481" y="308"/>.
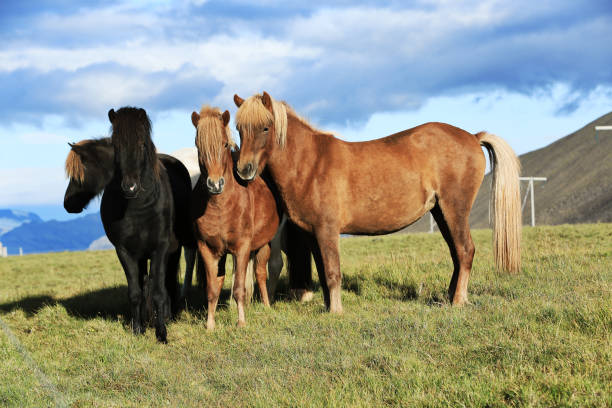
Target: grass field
<point x="542" y="338"/>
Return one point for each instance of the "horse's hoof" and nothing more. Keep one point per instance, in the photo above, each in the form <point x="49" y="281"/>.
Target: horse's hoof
<point x="307" y="296"/>
<point x="302" y="295"/>
<point x="460" y="302"/>
<point x="161" y="334"/>
<point x="138" y="329"/>
<point x="241" y="324"/>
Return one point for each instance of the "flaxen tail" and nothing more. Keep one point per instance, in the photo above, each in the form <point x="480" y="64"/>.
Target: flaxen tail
<point x="505" y="202"/>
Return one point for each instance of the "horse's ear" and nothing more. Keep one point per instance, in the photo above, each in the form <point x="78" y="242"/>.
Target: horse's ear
<point x="226" y="118"/>
<point x="238" y="100"/>
<point x="142" y="114"/>
<point x="78" y="149"/>
<point x="267" y="100"/>
<point x="195" y="118"/>
<point x="111" y="115"/>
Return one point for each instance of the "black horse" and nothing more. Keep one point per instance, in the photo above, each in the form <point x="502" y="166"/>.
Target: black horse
<point x="143" y="210"/>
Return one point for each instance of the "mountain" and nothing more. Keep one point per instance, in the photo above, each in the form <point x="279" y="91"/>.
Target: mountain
<point x="51" y="236"/>
<point x="10" y="219"/>
<point x="579" y="186"/>
<point x="100" y="244"/>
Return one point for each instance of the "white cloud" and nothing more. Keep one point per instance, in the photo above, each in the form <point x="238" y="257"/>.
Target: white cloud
<point x="526" y="122"/>
<point x="40" y="137"/>
<point x="96" y="92"/>
<point x="32" y="186"/>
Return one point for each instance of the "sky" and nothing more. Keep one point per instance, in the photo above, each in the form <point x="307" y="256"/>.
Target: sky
<point x="531" y="72"/>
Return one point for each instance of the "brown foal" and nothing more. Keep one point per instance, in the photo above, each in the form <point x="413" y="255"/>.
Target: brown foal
<point x="329" y="186"/>
<point x="230" y="216"/>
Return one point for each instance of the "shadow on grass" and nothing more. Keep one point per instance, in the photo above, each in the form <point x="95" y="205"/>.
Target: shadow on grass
<point x="112" y="303"/>
<point x="387" y="288"/>
<point x="108" y="303"/>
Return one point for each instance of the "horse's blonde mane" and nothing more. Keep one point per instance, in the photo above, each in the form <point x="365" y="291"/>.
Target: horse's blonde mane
<point x="75" y="169"/>
<point x="253" y="113"/>
<point x="211" y="135"/>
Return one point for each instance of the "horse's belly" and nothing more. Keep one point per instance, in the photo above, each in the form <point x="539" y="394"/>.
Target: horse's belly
<point x="383" y="216"/>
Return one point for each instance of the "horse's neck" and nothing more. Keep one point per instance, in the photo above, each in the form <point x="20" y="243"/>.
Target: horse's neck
<point x="293" y="163"/>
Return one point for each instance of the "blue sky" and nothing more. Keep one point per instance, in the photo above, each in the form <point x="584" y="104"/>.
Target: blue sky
<point x="531" y="72"/>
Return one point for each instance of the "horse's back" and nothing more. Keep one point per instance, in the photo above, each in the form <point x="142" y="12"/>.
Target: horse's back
<point x="180" y="184"/>
<point x="389" y="183"/>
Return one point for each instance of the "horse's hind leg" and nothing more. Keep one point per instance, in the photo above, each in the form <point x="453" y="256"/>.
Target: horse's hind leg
<point x="172" y="280"/>
<point x="275" y="263"/>
<point x="453" y="221"/>
<point x="190" y="258"/>
<point x="261" y="261"/>
<point x="298" y="247"/>
<point x="318" y="259"/>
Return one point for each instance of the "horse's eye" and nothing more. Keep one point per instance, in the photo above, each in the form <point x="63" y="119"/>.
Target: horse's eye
<point x="226" y="145"/>
<point x="265" y="129"/>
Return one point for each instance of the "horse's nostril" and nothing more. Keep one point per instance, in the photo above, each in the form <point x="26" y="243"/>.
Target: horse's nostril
<point x="221" y="182"/>
<point x="249" y="167"/>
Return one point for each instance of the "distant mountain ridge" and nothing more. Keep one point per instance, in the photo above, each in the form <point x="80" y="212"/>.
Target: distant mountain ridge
<point x="52" y="236"/>
<point x="10" y="219"/>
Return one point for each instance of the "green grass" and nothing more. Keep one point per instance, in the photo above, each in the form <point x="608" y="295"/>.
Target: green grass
<point x="541" y="338"/>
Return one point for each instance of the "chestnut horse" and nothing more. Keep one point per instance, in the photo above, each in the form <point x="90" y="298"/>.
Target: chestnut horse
<point x="329" y="186"/>
<point x="230" y="217"/>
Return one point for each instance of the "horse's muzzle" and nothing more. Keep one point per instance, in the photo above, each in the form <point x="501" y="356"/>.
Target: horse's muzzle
<point x="130" y="189"/>
<point x="247" y="172"/>
<point x="215" y="187"/>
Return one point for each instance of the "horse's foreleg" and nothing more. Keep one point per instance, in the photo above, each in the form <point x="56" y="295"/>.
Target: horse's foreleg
<point x="327" y="240"/>
<point x="211" y="262"/>
<point x="161" y="306"/>
<point x="242" y="259"/>
<point x="261" y="261"/>
<point x="146" y="306"/>
<point x="131" y="269"/>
